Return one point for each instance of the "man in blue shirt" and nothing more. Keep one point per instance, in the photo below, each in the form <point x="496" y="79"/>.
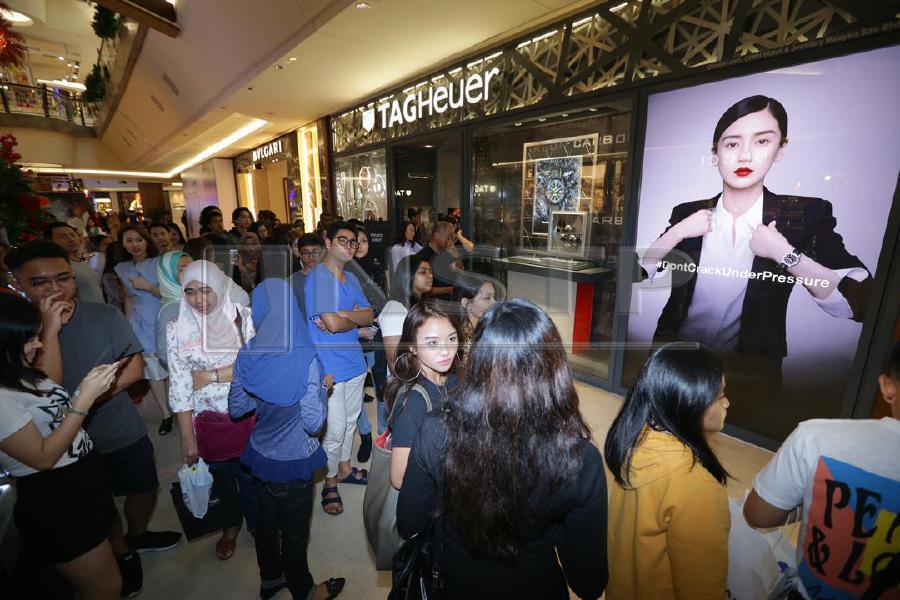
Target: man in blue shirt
<point x="336" y="306"/>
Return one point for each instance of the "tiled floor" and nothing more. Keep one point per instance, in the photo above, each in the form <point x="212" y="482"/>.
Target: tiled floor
<point x="338" y="544"/>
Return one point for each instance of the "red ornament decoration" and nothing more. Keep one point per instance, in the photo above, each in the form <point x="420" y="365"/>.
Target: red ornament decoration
<point x="12" y="44"/>
<point x="22" y="212"/>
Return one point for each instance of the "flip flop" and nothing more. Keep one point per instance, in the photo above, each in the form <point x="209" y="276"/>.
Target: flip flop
<point x="356" y="477"/>
<point x="333" y="500"/>
<point x="335" y="586"/>
<point x="225" y="548"/>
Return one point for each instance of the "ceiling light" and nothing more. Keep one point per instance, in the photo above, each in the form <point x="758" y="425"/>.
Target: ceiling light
<point x="564" y="115"/>
<point x="69" y="85"/>
<point x="61" y="57"/>
<point x="279" y="67"/>
<point x="592" y="109"/>
<point x="15" y="17"/>
<point x="363" y="5"/>
<point x="541" y="120"/>
<point x="428" y="146"/>
<point x="517" y="124"/>
<point x="238" y="135"/>
<point x="293" y="59"/>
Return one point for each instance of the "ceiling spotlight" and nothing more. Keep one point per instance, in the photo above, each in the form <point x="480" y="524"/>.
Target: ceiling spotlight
<point x="517" y="124"/>
<point x="541" y="120"/>
<point x="15" y="17"/>
<point x="279" y="67"/>
<point x="592" y="109"/>
<point x="250" y="89"/>
<point x="61" y="57"/>
<point x="293" y="59"/>
<point x="363" y="5"/>
<point x="564" y="115"/>
<point x="428" y="146"/>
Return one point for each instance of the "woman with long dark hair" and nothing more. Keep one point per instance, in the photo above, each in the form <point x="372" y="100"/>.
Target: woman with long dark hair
<point x="412" y="282"/>
<point x="475" y="295"/>
<point x="405" y="244"/>
<point x="139" y="274"/>
<point x="426" y="356"/>
<point x="64" y="511"/>
<point x="669" y="516"/>
<point x="510" y="468"/>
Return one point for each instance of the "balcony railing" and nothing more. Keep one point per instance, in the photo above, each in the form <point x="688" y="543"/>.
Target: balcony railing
<point x="51" y="103"/>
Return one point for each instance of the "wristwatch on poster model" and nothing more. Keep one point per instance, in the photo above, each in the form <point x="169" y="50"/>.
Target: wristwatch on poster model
<point x="790" y="259"/>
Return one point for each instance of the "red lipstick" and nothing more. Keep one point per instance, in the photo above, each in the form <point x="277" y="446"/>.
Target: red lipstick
<point x="743" y="172"/>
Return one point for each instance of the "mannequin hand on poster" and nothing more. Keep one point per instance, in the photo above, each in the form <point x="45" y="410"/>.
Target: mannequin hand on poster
<point x="767" y="242"/>
<point x="699" y="223"/>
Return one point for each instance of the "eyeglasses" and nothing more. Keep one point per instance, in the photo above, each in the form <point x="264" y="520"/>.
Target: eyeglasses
<point x="46" y="283"/>
<point x="310" y="252"/>
<point x="345" y="241"/>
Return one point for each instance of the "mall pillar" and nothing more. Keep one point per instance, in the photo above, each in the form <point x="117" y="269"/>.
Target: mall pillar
<point x="209" y="183"/>
<point x="153" y="200"/>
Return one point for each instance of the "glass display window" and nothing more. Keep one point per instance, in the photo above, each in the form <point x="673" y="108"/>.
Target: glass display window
<point x="548" y="206"/>
<point x="360" y="186"/>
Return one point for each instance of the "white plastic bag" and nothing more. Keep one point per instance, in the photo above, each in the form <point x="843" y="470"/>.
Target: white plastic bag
<point x="196" y="484"/>
<point x="752" y="568"/>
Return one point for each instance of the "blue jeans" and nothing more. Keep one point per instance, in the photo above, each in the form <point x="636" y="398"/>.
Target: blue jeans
<point x="286" y="510"/>
<point x="241" y="490"/>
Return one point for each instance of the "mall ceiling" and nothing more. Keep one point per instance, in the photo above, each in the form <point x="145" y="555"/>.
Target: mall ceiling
<point x="289" y="63"/>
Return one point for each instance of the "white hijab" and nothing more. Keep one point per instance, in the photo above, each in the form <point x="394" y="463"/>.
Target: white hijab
<point x="213" y="337"/>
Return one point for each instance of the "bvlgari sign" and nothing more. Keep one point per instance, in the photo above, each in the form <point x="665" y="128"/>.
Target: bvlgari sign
<point x="267" y="150"/>
<point x="426" y="100"/>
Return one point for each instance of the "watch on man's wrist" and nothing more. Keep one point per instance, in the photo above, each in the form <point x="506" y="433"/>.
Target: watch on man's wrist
<point x="214" y="376"/>
<point x="790" y="259"/>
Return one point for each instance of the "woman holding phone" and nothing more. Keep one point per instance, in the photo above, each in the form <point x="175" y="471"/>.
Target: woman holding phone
<point x="45" y="449"/>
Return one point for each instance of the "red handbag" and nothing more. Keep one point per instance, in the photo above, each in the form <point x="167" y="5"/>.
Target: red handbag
<point x="219" y="437"/>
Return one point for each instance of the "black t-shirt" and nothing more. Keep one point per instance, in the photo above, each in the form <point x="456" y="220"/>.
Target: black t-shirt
<point x="568" y="522"/>
<point x="410" y="410"/>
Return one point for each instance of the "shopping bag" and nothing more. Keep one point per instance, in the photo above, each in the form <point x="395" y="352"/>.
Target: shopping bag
<point x="752" y="569"/>
<point x="380" y="500"/>
<point x="222" y="511"/>
<point x="196" y="484"/>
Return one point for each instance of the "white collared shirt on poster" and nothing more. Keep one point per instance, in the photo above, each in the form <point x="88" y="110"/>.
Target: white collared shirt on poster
<point x="714" y="316"/>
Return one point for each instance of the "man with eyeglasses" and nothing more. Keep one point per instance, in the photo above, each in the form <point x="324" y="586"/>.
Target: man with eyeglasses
<point x="336" y="306"/>
<point x="77" y="336"/>
<point x="88" y="281"/>
<point x="311" y="250"/>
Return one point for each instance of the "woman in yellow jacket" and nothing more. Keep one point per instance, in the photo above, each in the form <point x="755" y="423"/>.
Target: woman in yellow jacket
<point x="668" y="515"/>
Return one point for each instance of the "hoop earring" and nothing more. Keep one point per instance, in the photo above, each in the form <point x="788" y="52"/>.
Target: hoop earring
<point x="396" y="360"/>
<point x="714" y="161"/>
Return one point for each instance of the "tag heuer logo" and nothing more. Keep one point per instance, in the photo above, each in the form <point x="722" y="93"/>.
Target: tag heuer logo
<point x="368" y="119"/>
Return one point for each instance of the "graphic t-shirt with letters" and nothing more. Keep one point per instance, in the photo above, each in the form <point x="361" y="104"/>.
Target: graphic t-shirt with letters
<point x="846" y="475"/>
<point x="47" y="408"/>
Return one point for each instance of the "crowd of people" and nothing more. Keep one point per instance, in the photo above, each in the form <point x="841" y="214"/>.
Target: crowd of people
<point x="258" y="342"/>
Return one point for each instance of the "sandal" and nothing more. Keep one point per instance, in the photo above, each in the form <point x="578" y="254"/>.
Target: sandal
<point x="334" y="586"/>
<point x="335" y="499"/>
<point x="356" y="477"/>
<point x="225" y="548"/>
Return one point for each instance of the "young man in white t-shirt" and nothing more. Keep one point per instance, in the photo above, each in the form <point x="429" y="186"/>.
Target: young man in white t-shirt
<point x="846" y="475"/>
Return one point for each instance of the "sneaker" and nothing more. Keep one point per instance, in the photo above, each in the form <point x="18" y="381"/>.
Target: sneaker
<point x="365" y="448"/>
<point x="154" y="541"/>
<point x="132" y="574"/>
<point x="165" y="428"/>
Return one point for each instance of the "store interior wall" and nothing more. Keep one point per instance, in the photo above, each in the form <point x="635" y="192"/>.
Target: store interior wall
<point x="448" y="166"/>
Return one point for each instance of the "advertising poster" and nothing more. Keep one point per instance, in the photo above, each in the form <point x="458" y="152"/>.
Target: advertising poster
<point x="762" y="212"/>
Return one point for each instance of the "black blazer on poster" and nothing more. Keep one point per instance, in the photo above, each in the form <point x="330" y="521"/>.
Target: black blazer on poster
<point x="808" y="225"/>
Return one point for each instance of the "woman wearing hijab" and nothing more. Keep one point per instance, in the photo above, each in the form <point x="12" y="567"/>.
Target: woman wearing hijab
<point x="202" y="346"/>
<point x="278" y="375"/>
<point x="171" y="265"/>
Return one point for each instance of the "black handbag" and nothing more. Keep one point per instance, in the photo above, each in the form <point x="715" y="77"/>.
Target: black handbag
<point x="417" y="571"/>
<point x="221" y="514"/>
